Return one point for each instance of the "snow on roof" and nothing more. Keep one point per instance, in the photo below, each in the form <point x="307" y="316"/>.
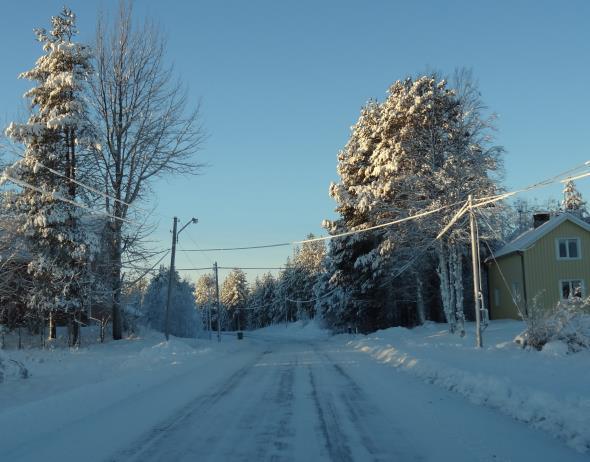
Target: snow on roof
<point x="528" y="238"/>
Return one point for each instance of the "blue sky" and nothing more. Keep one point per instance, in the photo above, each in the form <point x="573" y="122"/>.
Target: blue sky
<point x="282" y="82"/>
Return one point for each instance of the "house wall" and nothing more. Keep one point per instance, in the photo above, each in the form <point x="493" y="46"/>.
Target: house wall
<point x="544" y="270"/>
<point x="503" y="291"/>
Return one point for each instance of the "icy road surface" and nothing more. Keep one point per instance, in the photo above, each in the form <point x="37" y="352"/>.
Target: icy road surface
<point x="306" y="401"/>
<point x="274" y="399"/>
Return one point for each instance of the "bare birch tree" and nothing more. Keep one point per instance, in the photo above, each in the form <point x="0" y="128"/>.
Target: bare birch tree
<point x="143" y="126"/>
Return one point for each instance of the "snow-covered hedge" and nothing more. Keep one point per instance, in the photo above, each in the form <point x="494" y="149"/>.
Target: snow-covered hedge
<point x="569" y="323"/>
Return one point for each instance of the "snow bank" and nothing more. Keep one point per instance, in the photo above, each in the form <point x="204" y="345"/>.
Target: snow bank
<point x="57" y="370"/>
<point x="74" y="393"/>
<point x="547" y="390"/>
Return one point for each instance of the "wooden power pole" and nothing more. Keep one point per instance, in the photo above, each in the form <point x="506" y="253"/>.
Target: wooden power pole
<point x="170" y="276"/>
<point x="217" y="300"/>
<point x="476" y="280"/>
<point x="171" y="273"/>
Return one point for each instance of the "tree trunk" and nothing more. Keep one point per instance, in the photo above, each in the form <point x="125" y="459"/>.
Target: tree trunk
<point x="420" y="308"/>
<point x="75" y="330"/>
<point x="445" y="289"/>
<point x="116" y="262"/>
<point x="457" y="287"/>
<point x="52" y="327"/>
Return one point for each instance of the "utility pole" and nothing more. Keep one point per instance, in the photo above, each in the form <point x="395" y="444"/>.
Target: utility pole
<point x="170" y="275"/>
<point x="476" y="281"/>
<point x="209" y="319"/>
<point x="171" y="272"/>
<point x="218" y="304"/>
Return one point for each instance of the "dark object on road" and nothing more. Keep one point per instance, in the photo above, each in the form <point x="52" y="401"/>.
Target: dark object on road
<point x="240" y="335"/>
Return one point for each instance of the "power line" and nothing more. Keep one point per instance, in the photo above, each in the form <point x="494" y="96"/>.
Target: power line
<point x="541" y="184"/>
<point x="223" y="249"/>
<point x="406" y="266"/>
<point x="327" y="294"/>
<point x="79" y="183"/>
<point x="383" y="225"/>
<point x="196" y="247"/>
<point x="24" y="184"/>
<point x="334" y="236"/>
<point x="233" y="267"/>
<point x="149" y="270"/>
<point x="514" y="301"/>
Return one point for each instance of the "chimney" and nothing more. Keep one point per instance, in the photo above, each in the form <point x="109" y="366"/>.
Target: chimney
<point x="539" y="218"/>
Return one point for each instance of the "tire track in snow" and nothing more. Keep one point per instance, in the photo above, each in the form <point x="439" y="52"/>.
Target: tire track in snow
<point x="335" y="440"/>
<point x="366" y="419"/>
<point x="268" y="421"/>
<point x="147" y="444"/>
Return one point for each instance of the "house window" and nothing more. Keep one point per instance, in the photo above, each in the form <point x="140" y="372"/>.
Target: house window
<point x="570" y="288"/>
<point x="496" y="297"/>
<point x="568" y="248"/>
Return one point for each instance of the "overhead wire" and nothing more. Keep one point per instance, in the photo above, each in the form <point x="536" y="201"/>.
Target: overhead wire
<point x="333" y="236"/>
<point x="514" y="301"/>
<point x="79" y="183"/>
<point x="223" y="249"/>
<point x="135" y="281"/>
<point x="559" y="178"/>
<point x="203" y="268"/>
<point x="24" y="184"/>
<point x="409" y="263"/>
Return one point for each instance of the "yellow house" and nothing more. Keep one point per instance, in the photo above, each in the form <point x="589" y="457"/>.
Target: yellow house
<point x="542" y="266"/>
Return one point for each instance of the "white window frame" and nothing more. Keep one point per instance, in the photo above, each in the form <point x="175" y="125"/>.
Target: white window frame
<point x="578" y="243"/>
<point x="570" y="280"/>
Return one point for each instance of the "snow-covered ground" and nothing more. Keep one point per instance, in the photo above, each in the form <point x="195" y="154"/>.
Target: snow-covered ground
<point x="297" y="393"/>
<point x="549" y="390"/>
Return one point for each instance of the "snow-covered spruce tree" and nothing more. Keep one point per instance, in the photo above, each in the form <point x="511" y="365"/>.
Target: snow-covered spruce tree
<point x="53" y="136"/>
<point x="261" y="301"/>
<point x="205" y="297"/>
<point x="303" y="274"/>
<point x="234" y="296"/>
<point x="269" y="299"/>
<point x="185" y="320"/>
<point x="426" y="146"/>
<point x="572" y="201"/>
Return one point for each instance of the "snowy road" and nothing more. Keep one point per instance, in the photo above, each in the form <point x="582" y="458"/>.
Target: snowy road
<point x="308" y="401"/>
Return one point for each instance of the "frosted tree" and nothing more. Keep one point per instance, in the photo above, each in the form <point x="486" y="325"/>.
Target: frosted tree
<point x="234" y="296"/>
<point x="262" y="301"/>
<point x="425" y="147"/>
<point x="185" y="320"/>
<point x="307" y="265"/>
<point x="54" y="135"/>
<point x="144" y="130"/>
<point x="205" y="290"/>
<point x="572" y="200"/>
<point x="205" y="295"/>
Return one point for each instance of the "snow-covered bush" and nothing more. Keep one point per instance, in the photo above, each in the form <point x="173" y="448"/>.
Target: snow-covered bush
<point x="569" y="323"/>
<point x="184" y="318"/>
<point x="11" y="368"/>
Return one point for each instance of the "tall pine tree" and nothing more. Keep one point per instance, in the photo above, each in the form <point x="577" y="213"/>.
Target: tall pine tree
<point x="52" y="137"/>
<point x="425" y="147"/>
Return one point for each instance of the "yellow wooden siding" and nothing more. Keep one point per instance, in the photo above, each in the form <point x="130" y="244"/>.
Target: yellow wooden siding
<point x="512" y="272"/>
<point x="544" y="270"/>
